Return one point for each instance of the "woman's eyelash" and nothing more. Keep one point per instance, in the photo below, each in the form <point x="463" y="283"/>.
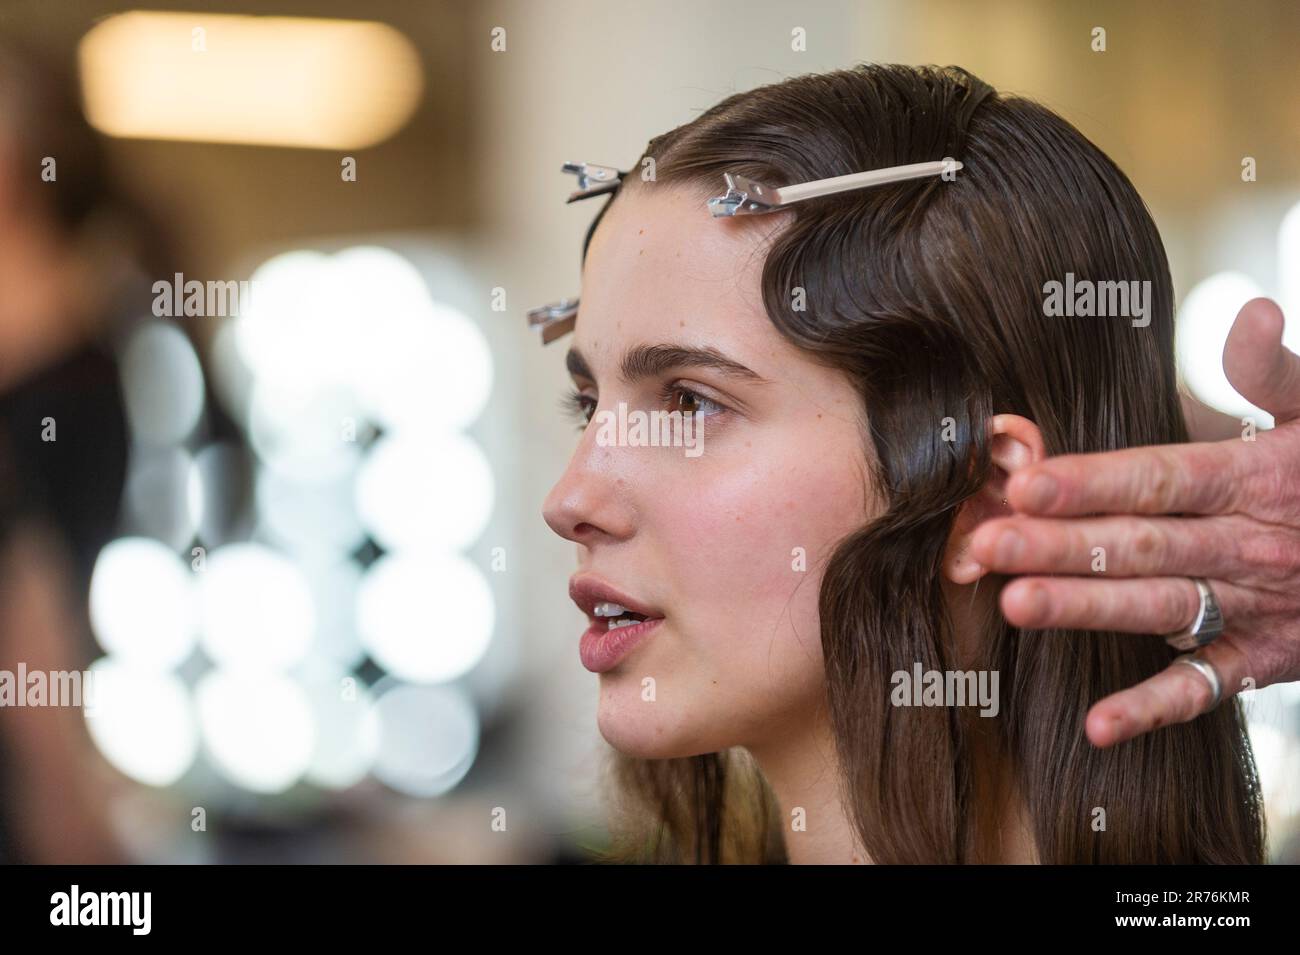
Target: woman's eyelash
<point x="574" y="404"/>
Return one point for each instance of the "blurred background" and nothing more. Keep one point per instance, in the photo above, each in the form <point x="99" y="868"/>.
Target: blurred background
<point x="297" y="537"/>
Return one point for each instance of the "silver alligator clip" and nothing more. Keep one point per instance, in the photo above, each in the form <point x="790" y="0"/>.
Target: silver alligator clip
<point x="746" y="197"/>
<point x="555" y="319"/>
<point x="593" y="180"/>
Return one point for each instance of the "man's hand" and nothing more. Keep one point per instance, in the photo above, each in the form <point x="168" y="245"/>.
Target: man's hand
<point x="1241" y="531"/>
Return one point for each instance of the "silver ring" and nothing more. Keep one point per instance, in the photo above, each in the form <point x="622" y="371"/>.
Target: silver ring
<point x="1208" y="624"/>
<point x="1207" y="670"/>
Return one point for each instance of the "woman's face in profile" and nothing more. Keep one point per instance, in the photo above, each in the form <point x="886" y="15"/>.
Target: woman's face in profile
<point x="727" y="544"/>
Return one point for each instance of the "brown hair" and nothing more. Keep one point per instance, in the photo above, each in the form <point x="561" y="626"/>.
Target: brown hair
<point x="928" y="294"/>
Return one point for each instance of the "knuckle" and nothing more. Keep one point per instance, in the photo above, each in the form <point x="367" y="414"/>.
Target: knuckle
<point x="1288" y="552"/>
<point x="1149" y="542"/>
<point x="1265" y="481"/>
<point x="1087" y="604"/>
<point x="1227" y="536"/>
<point x="1270" y="555"/>
<point x="1262" y="480"/>
<point x="1155" y="490"/>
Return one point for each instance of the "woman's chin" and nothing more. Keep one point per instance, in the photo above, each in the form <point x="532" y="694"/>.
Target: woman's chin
<point x="635" y="729"/>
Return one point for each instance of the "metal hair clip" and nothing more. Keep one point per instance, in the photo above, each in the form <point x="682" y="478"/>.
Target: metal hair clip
<point x="555" y="319"/>
<point x="607" y="179"/>
<point x="747" y="197"/>
<point x="743" y="197"/>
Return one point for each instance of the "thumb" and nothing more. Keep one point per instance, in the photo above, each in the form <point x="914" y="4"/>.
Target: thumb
<point x="1265" y="372"/>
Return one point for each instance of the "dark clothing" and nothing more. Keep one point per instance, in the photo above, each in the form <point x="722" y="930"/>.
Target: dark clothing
<point x="73" y="484"/>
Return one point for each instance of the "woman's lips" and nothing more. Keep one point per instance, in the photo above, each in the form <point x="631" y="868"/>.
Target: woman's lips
<point x="588" y="590"/>
<point x="602" y="649"/>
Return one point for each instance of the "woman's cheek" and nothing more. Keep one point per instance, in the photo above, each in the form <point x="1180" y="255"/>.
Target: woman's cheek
<point x="748" y="542"/>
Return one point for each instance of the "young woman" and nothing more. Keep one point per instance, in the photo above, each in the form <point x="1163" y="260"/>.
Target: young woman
<point x="868" y="369"/>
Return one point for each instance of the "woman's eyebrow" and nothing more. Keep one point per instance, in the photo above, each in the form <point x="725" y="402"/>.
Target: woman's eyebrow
<point x="649" y="361"/>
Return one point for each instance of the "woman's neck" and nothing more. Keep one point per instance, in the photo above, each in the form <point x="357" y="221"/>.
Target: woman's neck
<point x="803" y="772"/>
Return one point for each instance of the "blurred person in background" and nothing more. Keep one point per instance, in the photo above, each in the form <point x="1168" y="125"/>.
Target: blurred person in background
<point x="71" y="242"/>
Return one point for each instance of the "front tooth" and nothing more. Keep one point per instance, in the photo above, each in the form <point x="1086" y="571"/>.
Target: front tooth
<point x="625" y="622"/>
<point x="609" y="610"/>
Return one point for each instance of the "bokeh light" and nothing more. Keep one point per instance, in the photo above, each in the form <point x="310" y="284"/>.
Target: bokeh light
<point x="142" y="721"/>
<point x="143" y="609"/>
<point x="429" y="737"/>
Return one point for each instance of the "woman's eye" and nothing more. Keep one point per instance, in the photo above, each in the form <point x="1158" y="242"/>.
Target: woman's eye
<point x="579" y="407"/>
<point x="690" y="402"/>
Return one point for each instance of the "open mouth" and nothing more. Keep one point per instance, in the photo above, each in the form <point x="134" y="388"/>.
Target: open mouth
<point x="616" y="616"/>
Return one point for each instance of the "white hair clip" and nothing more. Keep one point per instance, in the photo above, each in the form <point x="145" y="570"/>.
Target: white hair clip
<point x="747" y="197"/>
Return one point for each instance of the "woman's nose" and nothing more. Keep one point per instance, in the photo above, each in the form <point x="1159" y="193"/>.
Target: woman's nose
<point x="592" y="498"/>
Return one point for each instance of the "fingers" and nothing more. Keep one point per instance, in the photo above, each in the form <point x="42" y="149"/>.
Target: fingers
<point x="1174" y="695"/>
<point x="1121" y="546"/>
<point x="1157" y="479"/>
<point x="1258" y="365"/>
<point x="1138" y="605"/>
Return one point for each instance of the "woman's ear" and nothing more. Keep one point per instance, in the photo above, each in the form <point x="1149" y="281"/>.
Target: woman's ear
<point x="1014" y="443"/>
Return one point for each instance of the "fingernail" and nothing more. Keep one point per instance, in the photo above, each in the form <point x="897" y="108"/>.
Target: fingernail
<point x="1041" y="491"/>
